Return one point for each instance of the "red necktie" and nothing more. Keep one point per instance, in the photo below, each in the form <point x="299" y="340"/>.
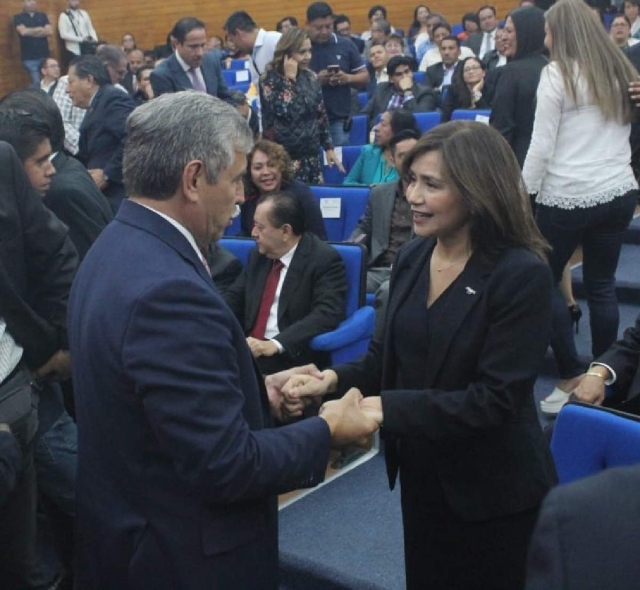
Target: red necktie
<point x="268" y="295"/>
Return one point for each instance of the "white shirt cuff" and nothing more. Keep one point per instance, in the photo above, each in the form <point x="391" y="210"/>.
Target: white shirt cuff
<point x="613" y="373"/>
<point x="280" y="347"/>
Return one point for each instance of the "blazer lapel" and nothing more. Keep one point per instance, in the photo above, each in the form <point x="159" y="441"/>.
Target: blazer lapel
<point x="294" y="272"/>
<point x="180" y="74"/>
<point x="209" y="78"/>
<point x="257" y="280"/>
<point x="465" y="294"/>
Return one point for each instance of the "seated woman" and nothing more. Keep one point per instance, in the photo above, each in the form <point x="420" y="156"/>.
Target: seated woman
<point x="620" y="32"/>
<point x="293" y="112"/>
<point x="470" y="26"/>
<point x="374" y="164"/>
<point x="269" y="170"/>
<point x="377" y="66"/>
<point x="466" y="91"/>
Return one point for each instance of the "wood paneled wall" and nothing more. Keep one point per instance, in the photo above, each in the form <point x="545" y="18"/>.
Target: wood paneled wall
<point x="151" y="20"/>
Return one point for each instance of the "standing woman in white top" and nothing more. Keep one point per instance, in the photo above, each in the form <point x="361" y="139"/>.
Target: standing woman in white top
<point x="578" y="164"/>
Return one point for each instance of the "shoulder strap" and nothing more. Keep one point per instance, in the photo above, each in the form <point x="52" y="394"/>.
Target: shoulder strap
<point x="68" y="13"/>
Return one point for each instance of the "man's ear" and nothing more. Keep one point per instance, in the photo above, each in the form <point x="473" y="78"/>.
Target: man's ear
<point x="192" y="177"/>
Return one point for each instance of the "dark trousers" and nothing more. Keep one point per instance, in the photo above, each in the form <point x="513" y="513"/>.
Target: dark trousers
<point x="600" y="230"/>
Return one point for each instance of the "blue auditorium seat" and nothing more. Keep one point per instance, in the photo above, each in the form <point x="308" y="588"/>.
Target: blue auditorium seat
<point x="427" y="121"/>
<point x="229" y="77"/>
<point x="350" y="154"/>
<point x="471" y="114"/>
<point x="351" y="338"/>
<point x="241" y="86"/>
<point x="418" y="77"/>
<point x="353" y="201"/>
<point x="363" y="99"/>
<point x="234" y="229"/>
<point x="456" y="29"/>
<point x="358" y="133"/>
<point x="239" y="64"/>
<point x="239" y="247"/>
<point x="587" y="439"/>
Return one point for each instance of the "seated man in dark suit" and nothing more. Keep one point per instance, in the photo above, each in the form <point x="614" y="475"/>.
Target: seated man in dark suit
<point x="619" y="367"/>
<point x="190" y="66"/>
<point x="587" y="534"/>
<point x="294" y="287"/>
<point x="439" y="75"/>
<point x="103" y="130"/>
<point x="400" y="91"/>
<point x="71" y="195"/>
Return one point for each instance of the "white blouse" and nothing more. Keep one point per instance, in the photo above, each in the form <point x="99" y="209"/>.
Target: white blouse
<point x="576" y="157"/>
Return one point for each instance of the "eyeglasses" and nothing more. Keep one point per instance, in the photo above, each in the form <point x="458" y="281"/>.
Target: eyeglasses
<point x="472" y="68"/>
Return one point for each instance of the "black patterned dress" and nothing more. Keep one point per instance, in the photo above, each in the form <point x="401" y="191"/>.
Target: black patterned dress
<point x="294" y="116"/>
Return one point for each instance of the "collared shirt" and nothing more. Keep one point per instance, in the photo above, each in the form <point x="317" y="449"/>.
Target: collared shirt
<point x="272" y="329"/>
<point x="46" y="87"/>
<point x="488" y="43"/>
<point x="190" y="71"/>
<point x="263" y="52"/>
<point x="183" y="230"/>
<point x="10" y="352"/>
<point x="32" y="48"/>
<point x="398" y="99"/>
<point x="72" y="117"/>
<point x="448" y="73"/>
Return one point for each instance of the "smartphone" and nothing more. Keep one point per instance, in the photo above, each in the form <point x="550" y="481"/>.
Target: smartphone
<point x="333" y="70"/>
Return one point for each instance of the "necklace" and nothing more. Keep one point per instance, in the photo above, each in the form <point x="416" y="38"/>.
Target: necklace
<point x="450" y="265"/>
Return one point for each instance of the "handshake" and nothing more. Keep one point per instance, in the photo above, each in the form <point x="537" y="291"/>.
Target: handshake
<point x="351" y="419"/>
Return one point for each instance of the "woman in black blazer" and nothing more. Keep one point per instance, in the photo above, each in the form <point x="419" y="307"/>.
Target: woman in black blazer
<point x="467" y="327"/>
<point x="514" y="102"/>
<point x="467" y="90"/>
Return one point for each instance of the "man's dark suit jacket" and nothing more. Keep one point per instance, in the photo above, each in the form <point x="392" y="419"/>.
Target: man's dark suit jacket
<point x="375" y="224"/>
<point x="588" y="534"/>
<point x="423" y="100"/>
<point x="312" y="300"/>
<point x="170" y="77"/>
<point x="77" y="201"/>
<point x="474" y="42"/>
<point x="37" y="265"/>
<point x="102" y="136"/>
<point x="224" y="266"/>
<point x="435" y="75"/>
<point x="475" y="417"/>
<point x="178" y="469"/>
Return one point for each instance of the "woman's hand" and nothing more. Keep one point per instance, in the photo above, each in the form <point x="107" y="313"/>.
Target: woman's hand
<point x="290" y="68"/>
<point x="333" y="159"/>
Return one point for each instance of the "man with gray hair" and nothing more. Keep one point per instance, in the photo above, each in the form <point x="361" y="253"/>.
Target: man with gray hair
<point x="178" y="468"/>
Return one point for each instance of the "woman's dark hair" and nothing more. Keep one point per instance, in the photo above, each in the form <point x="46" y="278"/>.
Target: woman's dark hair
<point x="459" y="86"/>
<point x="414" y="29"/>
<point x="495" y="196"/>
<point x="529" y="25"/>
<point x="402" y="120"/>
<point x="375" y="9"/>
<point x="470" y="16"/>
<point x="276" y="154"/>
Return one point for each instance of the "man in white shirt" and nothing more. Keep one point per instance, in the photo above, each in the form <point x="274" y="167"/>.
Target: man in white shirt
<point x="485" y="42"/>
<point x="243" y="32"/>
<point x="74" y="27"/>
<point x="294" y="287"/>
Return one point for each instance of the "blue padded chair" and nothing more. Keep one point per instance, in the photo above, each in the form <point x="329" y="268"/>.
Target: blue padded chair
<point x="363" y="99"/>
<point x="350" y="154"/>
<point x="239" y="64"/>
<point x="587" y="439"/>
<point x="235" y="228"/>
<point x="456" y="29"/>
<point x="471" y="114"/>
<point x="241" y="86"/>
<point x="353" y="202"/>
<point x="418" y="77"/>
<point x="427" y="121"/>
<point x="358" y="133"/>
<point x="239" y="247"/>
<point x="229" y="77"/>
<point x="350" y="339"/>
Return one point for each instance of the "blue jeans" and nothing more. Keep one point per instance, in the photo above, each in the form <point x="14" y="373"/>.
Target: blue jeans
<point x="600" y="230"/>
<point x="338" y="135"/>
<point x="33" y="69"/>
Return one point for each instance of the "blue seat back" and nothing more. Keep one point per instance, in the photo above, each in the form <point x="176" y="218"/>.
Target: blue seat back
<point x="235" y="228"/>
<point x="241" y="86"/>
<point x="229" y="77"/>
<point x="353" y="201"/>
<point x="427" y="121"/>
<point x="239" y="64"/>
<point x="456" y="29"/>
<point x="358" y="133"/>
<point x="363" y="99"/>
<point x="418" y="77"/>
<point x="350" y="154"/>
<point x="354" y="257"/>
<point x="469" y="114"/>
<point x="587" y="439"/>
<point x="239" y="247"/>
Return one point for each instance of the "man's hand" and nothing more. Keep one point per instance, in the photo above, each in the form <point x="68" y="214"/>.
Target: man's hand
<point x="333" y="159"/>
<point x="262" y="347"/>
<point x="98" y="177"/>
<point x="275" y="383"/>
<point x="347" y="422"/>
<point x="57" y="368"/>
<point x="324" y="77"/>
<point x="592" y="387"/>
<point x="406" y="84"/>
<point x="304" y="389"/>
<point x="340" y="79"/>
<point x="372" y="407"/>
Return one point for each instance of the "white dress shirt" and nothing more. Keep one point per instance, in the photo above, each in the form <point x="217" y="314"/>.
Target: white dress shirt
<point x="188" y="71"/>
<point x="576" y="157"/>
<point x="263" y="51"/>
<point x="488" y="43"/>
<point x="73" y="36"/>
<point x="433" y="57"/>
<point x="272" y="329"/>
<point x="10" y="352"/>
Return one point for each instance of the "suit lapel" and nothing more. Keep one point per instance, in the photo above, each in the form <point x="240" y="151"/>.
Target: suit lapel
<point x="179" y="73"/>
<point x="208" y="77"/>
<point x="294" y="272"/>
<point x="257" y="279"/>
<point x="466" y="292"/>
<point x="88" y="118"/>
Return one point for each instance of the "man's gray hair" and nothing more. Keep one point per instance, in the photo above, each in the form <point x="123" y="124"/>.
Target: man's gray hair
<point x="168" y="132"/>
<point x="111" y="54"/>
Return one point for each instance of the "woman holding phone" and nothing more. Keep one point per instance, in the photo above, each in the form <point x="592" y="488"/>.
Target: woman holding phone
<point x="293" y="112"/>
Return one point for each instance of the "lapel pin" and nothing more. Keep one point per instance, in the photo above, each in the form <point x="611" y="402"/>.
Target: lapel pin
<point x="469" y="291"/>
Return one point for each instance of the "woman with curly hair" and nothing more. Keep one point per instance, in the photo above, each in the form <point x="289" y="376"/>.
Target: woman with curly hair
<point x="269" y="170"/>
<point x="293" y="112"/>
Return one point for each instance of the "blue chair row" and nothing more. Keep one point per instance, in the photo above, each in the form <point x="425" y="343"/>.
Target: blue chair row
<point x="419" y="76"/>
<point x="351" y="338"/>
<point x="242" y="87"/>
<point x="234" y="77"/>
<point x="469" y="114"/>
<point x="238" y="64"/>
<point x="350" y="154"/>
<point x="587" y="439"/>
<point x="352" y="201"/>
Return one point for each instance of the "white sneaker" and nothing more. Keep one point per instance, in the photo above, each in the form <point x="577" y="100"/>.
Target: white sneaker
<point x="553" y="403"/>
